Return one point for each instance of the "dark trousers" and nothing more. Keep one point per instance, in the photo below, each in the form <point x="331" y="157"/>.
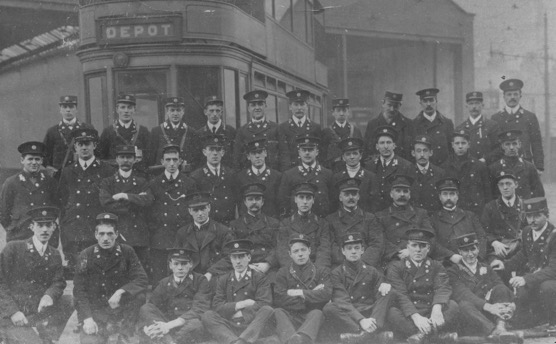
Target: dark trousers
<point x="228" y="331"/>
<point x="404" y="326"/>
<point x="190" y="332"/>
<point x="536" y="305"/>
<point x="477" y="322"/>
<point x="159" y="265"/>
<point x="290" y="323"/>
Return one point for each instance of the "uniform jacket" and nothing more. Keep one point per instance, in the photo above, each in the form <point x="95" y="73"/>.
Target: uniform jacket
<point x="419" y="288"/>
<point x="168" y="211"/>
<point x="99" y="273"/>
<point x="320" y="176"/>
<point x="449" y="225"/>
<point x="317" y="231"/>
<point x="261" y="230"/>
<point x="25" y="277"/>
<point x="475" y="189"/>
<point x="483" y="137"/>
<point x="188" y="300"/>
<point x="267" y="130"/>
<point x="440" y="131"/>
<point x="271" y="179"/>
<point x="472" y="287"/>
<point x="223" y="190"/>
<point x="57" y="141"/>
<point x="368" y="189"/>
<point x="18" y="195"/>
<point x="132" y="219"/>
<point x="287" y="133"/>
<point x="531" y="138"/>
<point x="184" y="136"/>
<point x="205" y="256"/>
<point x="537" y="259"/>
<point x="229" y="134"/>
<point x="404" y="128"/>
<point x="502" y="222"/>
<point x="342" y="222"/>
<point x="305" y="277"/>
<point x="423" y="191"/>
<point x="79" y="198"/>
<point x="229" y="291"/>
<point x="332" y="135"/>
<point x="383" y="173"/>
<point x="116" y="135"/>
<point x="529" y="183"/>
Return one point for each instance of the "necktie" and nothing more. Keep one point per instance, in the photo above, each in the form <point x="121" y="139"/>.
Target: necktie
<point x="214" y="130"/>
<point x="171" y="179"/>
<point x="85" y="165"/>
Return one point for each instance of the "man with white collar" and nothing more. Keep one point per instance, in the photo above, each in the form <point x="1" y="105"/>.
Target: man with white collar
<point x="174" y="131"/>
<point x="127" y="195"/>
<point x="125" y="131"/>
<point x="166" y="214"/>
<point x="432" y="123"/>
<point x="257" y="127"/>
<point x="79" y="195"/>
<point x="59" y="147"/>
<point x="482" y="131"/>
<point x="298" y="124"/>
<point x="515" y="115"/>
<point x="535" y="263"/>
<point x="214" y="110"/>
<point x="241" y="304"/>
<point x="32" y="283"/>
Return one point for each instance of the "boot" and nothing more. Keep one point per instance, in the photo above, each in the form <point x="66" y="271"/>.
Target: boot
<point x="417" y="338"/>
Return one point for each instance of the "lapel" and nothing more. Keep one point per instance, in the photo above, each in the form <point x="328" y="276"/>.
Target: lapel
<point x="36" y="259"/>
<point x="112" y="260"/>
<point x="452" y="217"/>
<point x="347" y="220"/>
<point x="245" y="282"/>
<point x="25" y="180"/>
<point x="254" y="225"/>
<point x="304" y="227"/>
<point x="403" y="215"/>
<point x="210" y="235"/>
<point x="183" y="287"/>
<point x="191" y="242"/>
<point x="423" y="269"/>
<point x="360" y="275"/>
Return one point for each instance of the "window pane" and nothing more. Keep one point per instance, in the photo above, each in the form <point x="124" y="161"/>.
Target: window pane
<point x="230" y="97"/>
<point x="242" y="104"/>
<point x="271" y="108"/>
<point x="299" y="25"/>
<point x="283" y="110"/>
<point x="283" y="13"/>
<point x="97" y="106"/>
<point x="194" y="85"/>
<point x="259" y="79"/>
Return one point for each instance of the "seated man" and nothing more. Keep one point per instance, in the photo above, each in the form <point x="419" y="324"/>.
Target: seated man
<point x="301" y="291"/>
<point x="242" y="300"/>
<point x="173" y="313"/>
<point x="423" y="292"/>
<point x="360" y="299"/>
<point x="109" y="285"/>
<point x="32" y="283"/>
<point x="484" y="301"/>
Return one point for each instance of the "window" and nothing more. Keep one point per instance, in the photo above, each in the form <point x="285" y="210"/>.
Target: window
<point x="194" y="85"/>
<point x="283" y="109"/>
<point x="283" y="13"/>
<point x="230" y="101"/>
<point x="242" y="104"/>
<point x="96" y="102"/>
<point x="271" y="107"/>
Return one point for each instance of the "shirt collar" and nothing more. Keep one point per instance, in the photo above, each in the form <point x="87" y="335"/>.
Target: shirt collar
<point x="213" y="169"/>
<point x="416" y="264"/>
<point x="511" y="110"/>
<point x="239" y="276"/>
<point x="70" y="123"/>
<point x="473" y="267"/>
<point x="199" y="225"/>
<point x="258" y="121"/>
<point x="217" y="125"/>
<point x="300" y="121"/>
<point x="125" y="174"/>
<point x="89" y="162"/>
<point x="256" y="170"/>
<point x="171" y="176"/>
<point x="476" y="119"/>
<point x="511" y="200"/>
<point x="426" y="168"/>
<point x="175" y="126"/>
<point x="430" y="118"/>
<point x="536" y="234"/>
<point x="386" y="161"/>
<point x="125" y="125"/>
<point x="40" y="247"/>
<point x="313" y="165"/>
<point x="341" y="125"/>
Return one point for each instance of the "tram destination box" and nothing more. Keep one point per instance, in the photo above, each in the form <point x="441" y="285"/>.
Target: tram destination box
<point x="143" y="29"/>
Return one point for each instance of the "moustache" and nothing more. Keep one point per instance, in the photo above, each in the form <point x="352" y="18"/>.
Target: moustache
<point x="402" y="198"/>
<point x="449" y="204"/>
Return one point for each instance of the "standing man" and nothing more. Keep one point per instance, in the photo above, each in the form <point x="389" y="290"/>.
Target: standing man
<point x="392" y="117"/>
<point x="214" y="110"/>
<point x="256" y="128"/>
<point x="58" y="144"/>
<point x="432" y="123"/>
<point x="174" y="131"/>
<point x="29" y="188"/>
<point x="515" y="115"/>
<point x="340" y="130"/>
<point x="483" y="132"/>
<point x="298" y="124"/>
<point x="127" y="195"/>
<point x="109" y="286"/>
<point x="32" y="283"/>
<point x="79" y="195"/>
<point x="259" y="172"/>
<point x="242" y="300"/>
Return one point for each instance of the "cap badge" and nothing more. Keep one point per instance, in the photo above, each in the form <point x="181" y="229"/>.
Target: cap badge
<point x="420" y="234"/>
<point x="298" y="94"/>
<point x="106" y="216"/>
<point x="127" y="97"/>
<point x="84" y="133"/>
<point x="175" y="100"/>
<point x="466" y="239"/>
<point x="509" y="134"/>
<point x="256" y="95"/>
<point x="511" y="83"/>
<point x="428" y="92"/>
<point x="67" y="98"/>
<point x="300" y="236"/>
<point x="529" y="206"/>
<point x="350" y="143"/>
<point x="216" y="139"/>
<point x="306" y="140"/>
<point x="44" y="212"/>
<point x="502" y="173"/>
<point x="474" y="94"/>
<point x="384" y="130"/>
<point x="341" y="102"/>
<point x="33" y="147"/>
<point x="236" y="245"/>
<point x="350" y="237"/>
<point x="423" y="139"/>
<point x="256" y="144"/>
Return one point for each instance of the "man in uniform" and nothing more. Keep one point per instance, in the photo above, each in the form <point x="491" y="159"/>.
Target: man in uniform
<point x="127" y="195"/>
<point x="166" y="214"/>
<point x="79" y="195"/>
<point x="392" y="117"/>
<point x="423" y="291"/>
<point x="515" y="115"/>
<point x="298" y="124"/>
<point x="535" y="264"/>
<point x="475" y="189"/>
<point x="309" y="170"/>
<point x="483" y="132"/>
<point x="259" y="172"/>
<point x="217" y="179"/>
<point x="432" y="123"/>
<point x="214" y="111"/>
<point x="425" y="175"/>
<point x="242" y="300"/>
<point x="174" y="131"/>
<point x="58" y="144"/>
<point x="386" y="164"/>
<point x="125" y="131"/>
<point x="350" y="218"/>
<point x="360" y="298"/>
<point x="528" y="179"/>
<point x="258" y="127"/>
<point x="109" y="286"/>
<point x="32" y="283"/>
<point x="340" y="130"/>
<point x="29" y="188"/>
<point x="173" y="313"/>
<point x="301" y="291"/>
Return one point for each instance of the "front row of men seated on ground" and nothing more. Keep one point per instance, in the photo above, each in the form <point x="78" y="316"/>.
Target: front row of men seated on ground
<point x="417" y="298"/>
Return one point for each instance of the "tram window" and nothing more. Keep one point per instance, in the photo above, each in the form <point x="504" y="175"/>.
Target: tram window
<point x="242" y="104"/>
<point x="282" y="87"/>
<point x="97" y="105"/>
<point x="271" y="83"/>
<point x="316" y="114"/>
<point x="283" y="110"/>
<point x="283" y="13"/>
<point x="230" y="101"/>
<point x="259" y="79"/>
<point x="271" y="108"/>
<point x="194" y="85"/>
